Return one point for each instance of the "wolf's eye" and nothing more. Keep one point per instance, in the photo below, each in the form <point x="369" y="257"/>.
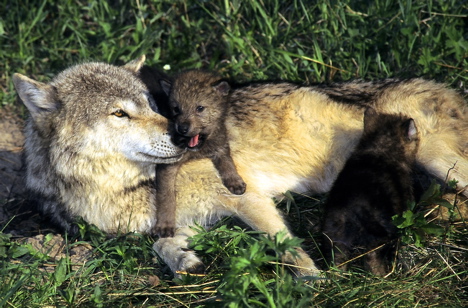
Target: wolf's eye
<point x="120" y="113"/>
<point x="200" y="108"/>
<point x="176" y="110"/>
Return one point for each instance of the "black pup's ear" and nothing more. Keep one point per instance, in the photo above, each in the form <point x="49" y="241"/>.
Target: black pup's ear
<point x="411" y="130"/>
<point x="371" y="118"/>
<point x="151" y="77"/>
<point x="166" y="86"/>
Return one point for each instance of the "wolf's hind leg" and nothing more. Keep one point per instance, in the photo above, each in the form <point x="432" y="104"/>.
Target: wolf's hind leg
<point x="440" y="160"/>
<point x="175" y="252"/>
<point x="261" y="214"/>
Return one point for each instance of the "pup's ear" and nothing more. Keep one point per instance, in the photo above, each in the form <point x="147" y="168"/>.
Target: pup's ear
<point x="166" y="86"/>
<point x="222" y="87"/>
<point x="38" y="97"/>
<point x="134" y="66"/>
<point x="411" y="130"/>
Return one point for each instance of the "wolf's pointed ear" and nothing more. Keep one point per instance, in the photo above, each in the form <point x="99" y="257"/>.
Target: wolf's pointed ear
<point x="134" y="66"/>
<point x="38" y="97"/>
<point x="370" y="119"/>
<point x="222" y="87"/>
<point x="166" y="86"/>
<point x="411" y="130"/>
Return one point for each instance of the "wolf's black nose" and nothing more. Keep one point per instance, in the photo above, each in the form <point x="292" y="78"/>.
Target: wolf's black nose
<point x="182" y="128"/>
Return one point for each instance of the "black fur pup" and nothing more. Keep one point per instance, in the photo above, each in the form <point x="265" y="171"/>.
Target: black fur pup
<point x="374" y="185"/>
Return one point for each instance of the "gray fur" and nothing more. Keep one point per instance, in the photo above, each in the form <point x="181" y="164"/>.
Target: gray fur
<point x="76" y="164"/>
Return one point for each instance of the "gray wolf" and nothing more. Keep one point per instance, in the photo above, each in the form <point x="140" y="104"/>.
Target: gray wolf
<point x="198" y="101"/>
<point x="374" y="185"/>
<point x="85" y="160"/>
<point x="92" y="144"/>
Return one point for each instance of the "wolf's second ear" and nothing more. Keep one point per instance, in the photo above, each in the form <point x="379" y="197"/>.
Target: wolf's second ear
<point x="166" y="86"/>
<point x="134" y="66"/>
<point x="38" y="97"/>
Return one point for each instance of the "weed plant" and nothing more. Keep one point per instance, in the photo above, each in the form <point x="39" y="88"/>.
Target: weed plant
<point x="304" y="41"/>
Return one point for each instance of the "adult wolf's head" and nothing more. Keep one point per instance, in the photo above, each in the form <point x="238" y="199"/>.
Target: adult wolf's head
<point x="92" y="141"/>
<point x="95" y="109"/>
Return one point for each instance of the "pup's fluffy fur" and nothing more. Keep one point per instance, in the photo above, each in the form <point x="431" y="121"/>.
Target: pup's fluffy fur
<point x="198" y="102"/>
<point x="374" y="185"/>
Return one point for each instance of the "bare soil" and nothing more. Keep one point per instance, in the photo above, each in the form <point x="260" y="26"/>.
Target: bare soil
<point x="11" y="142"/>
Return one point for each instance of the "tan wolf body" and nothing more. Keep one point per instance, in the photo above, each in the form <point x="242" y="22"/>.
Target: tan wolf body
<point x="282" y="137"/>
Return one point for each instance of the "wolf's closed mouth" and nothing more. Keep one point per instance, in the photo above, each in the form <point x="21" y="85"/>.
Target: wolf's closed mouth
<point x="175" y="157"/>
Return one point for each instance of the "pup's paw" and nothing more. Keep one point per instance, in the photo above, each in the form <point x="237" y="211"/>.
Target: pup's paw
<point x="163" y="230"/>
<point x="235" y="185"/>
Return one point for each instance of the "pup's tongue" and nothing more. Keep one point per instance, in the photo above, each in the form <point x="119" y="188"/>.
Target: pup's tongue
<point x="193" y="141"/>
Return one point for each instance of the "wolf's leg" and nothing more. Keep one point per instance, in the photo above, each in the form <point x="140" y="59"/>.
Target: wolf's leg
<point x="176" y="254"/>
<point x="261" y="214"/>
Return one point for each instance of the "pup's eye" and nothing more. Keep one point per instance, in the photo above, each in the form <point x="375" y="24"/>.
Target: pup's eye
<point x="200" y="108"/>
<point x="176" y="110"/>
<point x="120" y="113"/>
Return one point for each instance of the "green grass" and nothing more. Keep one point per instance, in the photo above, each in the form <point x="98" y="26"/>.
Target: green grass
<point x="296" y="40"/>
<point x="326" y="41"/>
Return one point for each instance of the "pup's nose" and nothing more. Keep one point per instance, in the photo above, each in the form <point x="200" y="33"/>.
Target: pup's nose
<point x="183" y="128"/>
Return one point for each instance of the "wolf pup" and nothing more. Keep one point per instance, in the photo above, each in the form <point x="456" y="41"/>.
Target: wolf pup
<point x="374" y="185"/>
<point x="93" y="141"/>
<point x="198" y="102"/>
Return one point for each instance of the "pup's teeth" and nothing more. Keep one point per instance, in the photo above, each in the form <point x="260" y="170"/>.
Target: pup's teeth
<point x="193" y="141"/>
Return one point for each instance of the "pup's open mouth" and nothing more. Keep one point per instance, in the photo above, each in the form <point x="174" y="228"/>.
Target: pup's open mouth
<point x="193" y="142"/>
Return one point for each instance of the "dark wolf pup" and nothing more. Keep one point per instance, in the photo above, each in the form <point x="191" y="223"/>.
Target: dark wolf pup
<point x="198" y="103"/>
<point x="374" y="185"/>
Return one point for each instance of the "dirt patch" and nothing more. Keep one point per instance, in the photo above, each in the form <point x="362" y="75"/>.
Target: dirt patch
<point x="55" y="247"/>
<point x="11" y="171"/>
<point x="11" y="143"/>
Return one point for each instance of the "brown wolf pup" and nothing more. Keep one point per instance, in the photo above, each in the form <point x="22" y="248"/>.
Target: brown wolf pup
<point x="374" y="185"/>
<point x="198" y="102"/>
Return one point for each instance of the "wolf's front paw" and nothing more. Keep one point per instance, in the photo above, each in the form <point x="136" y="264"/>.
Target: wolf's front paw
<point x="235" y="185"/>
<point x="198" y="268"/>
